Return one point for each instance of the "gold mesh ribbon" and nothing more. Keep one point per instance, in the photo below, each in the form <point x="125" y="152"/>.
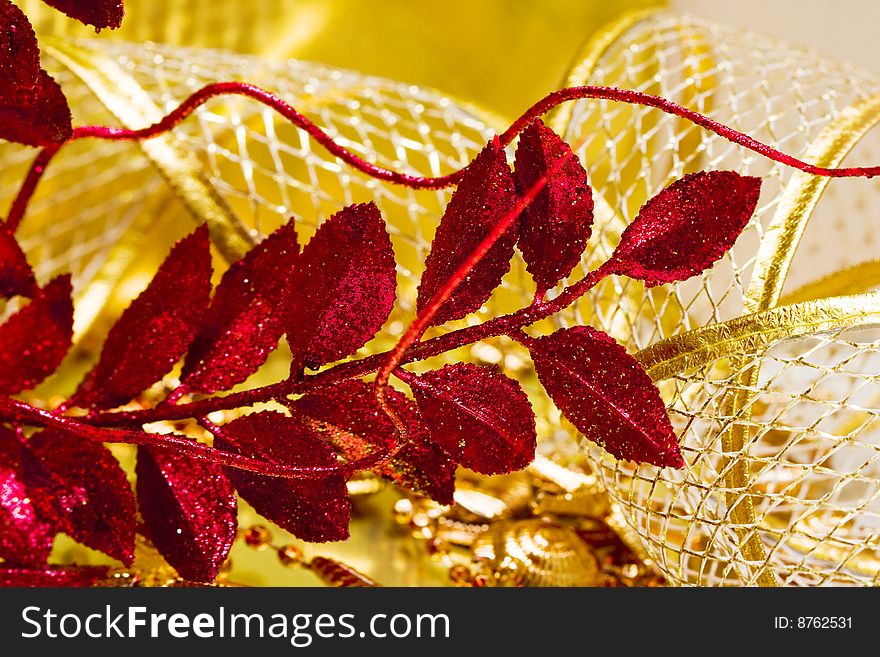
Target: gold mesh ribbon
<point x="774" y="409"/>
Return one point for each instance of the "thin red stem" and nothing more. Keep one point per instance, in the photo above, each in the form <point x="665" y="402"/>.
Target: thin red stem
<point x="286" y="110"/>
<point x="615" y="94"/>
<point x="29" y="186"/>
<point x="540" y="108"/>
<point x="18" y="411"/>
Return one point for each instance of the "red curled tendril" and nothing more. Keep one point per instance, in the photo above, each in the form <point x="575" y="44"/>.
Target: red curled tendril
<point x="540" y="108"/>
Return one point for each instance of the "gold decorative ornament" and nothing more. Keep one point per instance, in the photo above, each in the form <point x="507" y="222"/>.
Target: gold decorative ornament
<point x="535" y="553"/>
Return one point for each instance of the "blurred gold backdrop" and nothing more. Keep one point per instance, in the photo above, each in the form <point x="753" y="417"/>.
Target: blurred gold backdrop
<point x="500" y="54"/>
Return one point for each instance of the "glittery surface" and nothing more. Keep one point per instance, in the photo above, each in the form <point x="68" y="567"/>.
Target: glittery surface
<point x="19" y="52"/>
<point x="479" y="415"/>
<point x="246" y="317"/>
<point x="52" y="576"/>
<point x="24" y="537"/>
<point x="34" y="340"/>
<point x="485" y="194"/>
<point x="155" y="331"/>
<point x="16" y="275"/>
<point x="344" y="288"/>
<point x="79" y="488"/>
<point x="686" y="227"/>
<point x="33" y="109"/>
<point x="348" y="416"/>
<point x="189" y="509"/>
<point x="312" y="509"/>
<point x="606" y="394"/>
<point x="555" y="227"/>
<point x="97" y="13"/>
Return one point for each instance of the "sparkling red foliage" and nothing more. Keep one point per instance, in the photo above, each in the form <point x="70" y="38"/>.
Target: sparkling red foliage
<point x="485" y="194"/>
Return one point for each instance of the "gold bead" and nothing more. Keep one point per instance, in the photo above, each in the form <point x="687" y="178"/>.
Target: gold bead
<point x="257" y="536"/>
<point x="290" y="555"/>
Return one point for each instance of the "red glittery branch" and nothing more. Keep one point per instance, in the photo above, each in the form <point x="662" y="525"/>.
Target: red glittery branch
<point x="16" y="411"/>
<point x="330" y="299"/>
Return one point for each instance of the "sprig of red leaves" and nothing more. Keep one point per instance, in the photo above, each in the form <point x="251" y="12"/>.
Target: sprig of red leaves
<point x="330" y="299"/>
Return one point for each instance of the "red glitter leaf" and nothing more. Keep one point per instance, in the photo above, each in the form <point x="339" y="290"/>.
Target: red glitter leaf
<point x="686" y="227"/>
<point x="484" y="196"/>
<point x="348" y="416"/>
<point x="244" y="322"/>
<point x="24" y="537"/>
<point x="78" y="487"/>
<point x="555" y="227"/>
<point x="316" y="510"/>
<point x="344" y="288"/>
<point x="37" y="115"/>
<point x="97" y="13"/>
<point x="52" y="576"/>
<point x="606" y="394"/>
<point x="19" y="52"/>
<point x="479" y="415"/>
<point x="34" y="341"/>
<point x="157" y="328"/>
<point x="190" y="511"/>
<point x="16" y="275"/>
<point x="33" y="109"/>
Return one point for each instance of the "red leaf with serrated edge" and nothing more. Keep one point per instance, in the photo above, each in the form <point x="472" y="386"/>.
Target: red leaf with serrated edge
<point x="316" y="510"/>
<point x="606" y="394"/>
<point x="19" y="52"/>
<point x="155" y="331"/>
<point x="24" y="537"/>
<point x="97" y="13"/>
<point x="16" y="275"/>
<point x="33" y="109"/>
<point x="485" y="194"/>
<point x="34" y="340"/>
<point x="555" y="227"/>
<point x="189" y="509"/>
<point x="52" y="576"/>
<point x="348" y="416"/>
<point x="479" y="415"/>
<point x="344" y="288"/>
<point x="247" y="316"/>
<point x="79" y="488"/>
<point x="686" y="227"/>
